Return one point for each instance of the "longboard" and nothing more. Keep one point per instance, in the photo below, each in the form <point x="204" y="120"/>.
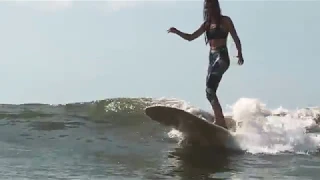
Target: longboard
<point x="189" y="124"/>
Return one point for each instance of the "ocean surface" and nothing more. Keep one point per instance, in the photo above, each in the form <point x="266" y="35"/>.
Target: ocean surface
<point x="113" y="139"/>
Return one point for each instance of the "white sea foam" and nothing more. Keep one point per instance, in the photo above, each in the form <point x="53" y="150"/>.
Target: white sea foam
<point x="262" y="130"/>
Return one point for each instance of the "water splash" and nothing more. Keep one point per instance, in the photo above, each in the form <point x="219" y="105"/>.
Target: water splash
<point x="261" y="130"/>
<point x="272" y="132"/>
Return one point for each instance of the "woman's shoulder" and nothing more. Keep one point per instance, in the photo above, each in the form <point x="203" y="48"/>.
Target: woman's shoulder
<point x="226" y="20"/>
<point x="225" y="17"/>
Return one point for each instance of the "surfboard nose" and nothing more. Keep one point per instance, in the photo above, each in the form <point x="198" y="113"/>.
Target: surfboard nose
<point x="162" y="114"/>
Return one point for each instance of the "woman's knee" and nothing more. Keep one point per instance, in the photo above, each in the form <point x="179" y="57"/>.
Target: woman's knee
<point x="211" y="95"/>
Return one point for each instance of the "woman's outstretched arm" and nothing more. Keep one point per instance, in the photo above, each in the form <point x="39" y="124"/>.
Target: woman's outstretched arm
<point x="186" y="36"/>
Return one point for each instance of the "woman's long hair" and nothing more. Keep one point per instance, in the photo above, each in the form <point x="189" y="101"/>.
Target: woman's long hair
<point x="215" y="8"/>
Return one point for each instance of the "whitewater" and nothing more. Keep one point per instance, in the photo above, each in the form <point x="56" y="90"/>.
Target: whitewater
<point x="262" y="130"/>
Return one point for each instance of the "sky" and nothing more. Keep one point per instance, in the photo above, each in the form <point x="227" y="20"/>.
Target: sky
<point x="74" y="51"/>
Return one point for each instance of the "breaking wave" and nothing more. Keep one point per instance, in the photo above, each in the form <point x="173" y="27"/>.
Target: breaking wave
<point x="258" y="129"/>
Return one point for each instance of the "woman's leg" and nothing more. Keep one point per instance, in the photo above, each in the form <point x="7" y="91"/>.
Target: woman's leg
<point x="219" y="63"/>
<point x="216" y="107"/>
<point x="219" y="117"/>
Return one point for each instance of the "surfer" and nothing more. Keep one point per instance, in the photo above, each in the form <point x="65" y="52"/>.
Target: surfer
<point x="216" y="28"/>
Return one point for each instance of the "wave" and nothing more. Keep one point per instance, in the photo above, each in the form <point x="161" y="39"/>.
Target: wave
<point x="259" y="129"/>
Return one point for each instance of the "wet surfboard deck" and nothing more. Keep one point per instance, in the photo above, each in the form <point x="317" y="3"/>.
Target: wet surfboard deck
<point x="189" y="124"/>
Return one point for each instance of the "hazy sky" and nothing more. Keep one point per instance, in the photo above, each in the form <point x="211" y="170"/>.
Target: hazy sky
<point x="66" y="51"/>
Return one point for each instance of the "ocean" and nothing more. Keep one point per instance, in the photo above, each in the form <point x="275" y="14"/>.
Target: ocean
<point x="114" y="139"/>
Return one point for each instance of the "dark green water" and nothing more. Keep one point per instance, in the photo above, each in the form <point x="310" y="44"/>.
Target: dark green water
<point x="113" y="139"/>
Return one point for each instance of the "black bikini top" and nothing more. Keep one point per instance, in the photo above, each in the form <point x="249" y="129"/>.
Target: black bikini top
<point x="216" y="33"/>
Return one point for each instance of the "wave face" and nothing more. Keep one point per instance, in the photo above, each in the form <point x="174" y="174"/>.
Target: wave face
<point x="259" y="130"/>
<point x="114" y="139"/>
